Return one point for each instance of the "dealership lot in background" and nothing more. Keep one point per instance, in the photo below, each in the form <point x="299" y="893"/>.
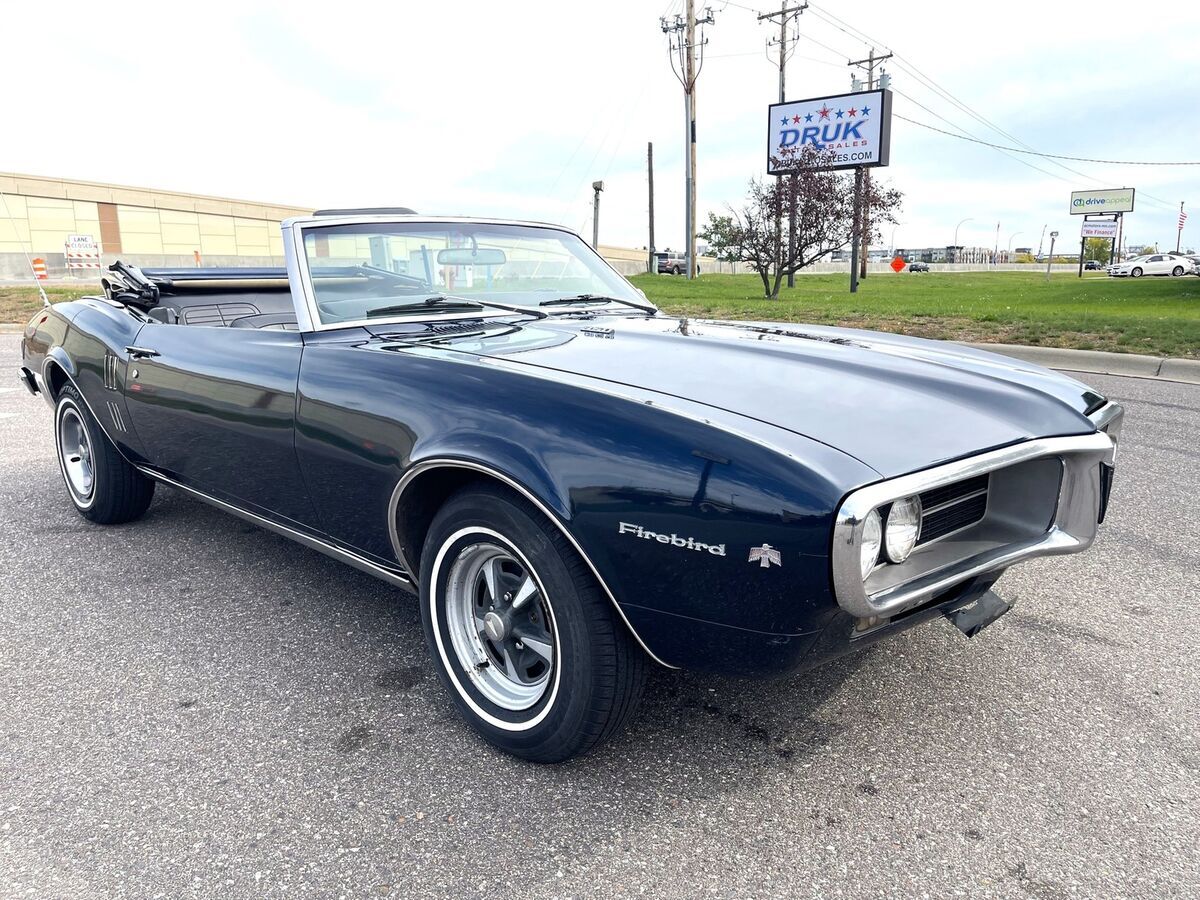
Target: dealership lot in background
<point x="1156" y="316"/>
<point x="190" y="706"/>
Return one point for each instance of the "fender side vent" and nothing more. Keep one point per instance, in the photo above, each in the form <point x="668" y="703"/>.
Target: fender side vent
<point x="110" y="370"/>
<point x="115" y="412"/>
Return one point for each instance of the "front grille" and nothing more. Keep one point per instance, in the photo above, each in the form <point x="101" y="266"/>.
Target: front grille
<point x="952" y="507"/>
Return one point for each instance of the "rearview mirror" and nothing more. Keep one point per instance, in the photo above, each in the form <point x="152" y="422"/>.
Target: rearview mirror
<point x="467" y="256"/>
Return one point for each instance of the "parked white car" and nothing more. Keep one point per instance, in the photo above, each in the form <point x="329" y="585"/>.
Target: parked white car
<point x="1152" y="264"/>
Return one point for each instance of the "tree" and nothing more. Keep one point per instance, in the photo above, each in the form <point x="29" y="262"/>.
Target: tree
<point x="1097" y="249"/>
<point x="818" y="200"/>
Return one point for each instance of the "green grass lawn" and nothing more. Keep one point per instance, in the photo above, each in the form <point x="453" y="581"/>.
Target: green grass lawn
<point x="18" y="303"/>
<point x="1157" y="316"/>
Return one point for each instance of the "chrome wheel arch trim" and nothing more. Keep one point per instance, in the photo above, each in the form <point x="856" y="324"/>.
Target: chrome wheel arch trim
<point x="314" y="543"/>
<point x="53" y="400"/>
<point x="451" y="463"/>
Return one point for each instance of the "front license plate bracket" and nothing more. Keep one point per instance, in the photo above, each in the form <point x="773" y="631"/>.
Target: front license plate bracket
<point x="971" y="620"/>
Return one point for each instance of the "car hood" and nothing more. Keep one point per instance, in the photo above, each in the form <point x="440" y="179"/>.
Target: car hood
<point x="895" y="403"/>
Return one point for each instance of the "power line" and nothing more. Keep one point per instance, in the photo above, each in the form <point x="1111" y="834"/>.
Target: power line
<point x="830" y="19"/>
<point x="924" y="80"/>
<point x="1016" y="159"/>
<point x="1108" y="162"/>
<point x="913" y="70"/>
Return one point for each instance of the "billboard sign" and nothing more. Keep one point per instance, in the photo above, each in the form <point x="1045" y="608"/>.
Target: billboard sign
<point x="850" y="130"/>
<point x="1117" y="200"/>
<point x="1099" y="229"/>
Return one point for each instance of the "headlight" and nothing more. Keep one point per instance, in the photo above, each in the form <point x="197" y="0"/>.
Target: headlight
<point x="903" y="528"/>
<point x="872" y="536"/>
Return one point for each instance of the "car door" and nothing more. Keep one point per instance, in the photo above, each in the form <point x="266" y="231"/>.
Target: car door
<point x="1156" y="265"/>
<point x="215" y="408"/>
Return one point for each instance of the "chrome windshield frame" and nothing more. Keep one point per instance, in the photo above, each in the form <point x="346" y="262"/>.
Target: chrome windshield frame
<point x="304" y="297"/>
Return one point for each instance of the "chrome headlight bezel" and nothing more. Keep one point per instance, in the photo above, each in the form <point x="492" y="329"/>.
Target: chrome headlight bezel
<point x="870" y="543"/>
<point x="905" y="513"/>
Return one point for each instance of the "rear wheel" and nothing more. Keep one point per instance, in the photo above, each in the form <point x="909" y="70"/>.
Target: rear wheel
<point x="1136" y="273"/>
<point x="528" y="647"/>
<point x="101" y="483"/>
<point x="1177" y="271"/>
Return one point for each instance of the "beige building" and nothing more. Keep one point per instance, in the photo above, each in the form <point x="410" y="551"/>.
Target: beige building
<point x="149" y="227"/>
<point x="141" y="225"/>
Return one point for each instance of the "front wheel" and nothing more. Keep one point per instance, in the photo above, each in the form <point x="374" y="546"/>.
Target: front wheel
<point x="1136" y="273"/>
<point x="528" y="647"/>
<point x="101" y="483"/>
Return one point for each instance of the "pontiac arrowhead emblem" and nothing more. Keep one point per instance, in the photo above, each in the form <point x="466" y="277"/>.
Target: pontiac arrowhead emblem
<point x="765" y="556"/>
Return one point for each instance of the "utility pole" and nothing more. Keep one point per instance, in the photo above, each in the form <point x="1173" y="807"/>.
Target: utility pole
<point x="650" y="266"/>
<point x="784" y="15"/>
<point x="685" y="51"/>
<point x="869" y="64"/>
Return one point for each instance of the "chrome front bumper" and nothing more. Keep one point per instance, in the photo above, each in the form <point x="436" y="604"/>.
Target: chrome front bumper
<point x="1047" y="498"/>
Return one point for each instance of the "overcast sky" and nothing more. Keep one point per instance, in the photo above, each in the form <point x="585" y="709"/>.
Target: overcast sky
<point x="513" y="109"/>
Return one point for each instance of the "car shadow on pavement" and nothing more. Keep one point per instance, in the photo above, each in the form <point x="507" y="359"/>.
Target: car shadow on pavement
<point x="718" y="719"/>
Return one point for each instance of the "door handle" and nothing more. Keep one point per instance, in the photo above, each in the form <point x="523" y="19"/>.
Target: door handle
<point x="141" y="353"/>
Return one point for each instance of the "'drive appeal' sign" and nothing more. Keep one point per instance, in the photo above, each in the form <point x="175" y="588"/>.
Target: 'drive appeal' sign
<point x="1102" y="202"/>
<point x="1099" y="229"/>
<point x="850" y="129"/>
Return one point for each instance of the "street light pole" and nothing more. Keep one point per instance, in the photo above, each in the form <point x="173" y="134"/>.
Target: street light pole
<point x="1015" y="234"/>
<point x="1050" y="258"/>
<point x="956" y="227"/>
<point x="893" y="240"/>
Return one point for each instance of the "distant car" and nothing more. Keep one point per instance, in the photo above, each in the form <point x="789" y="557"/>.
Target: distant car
<point x="918" y="266"/>
<point x="670" y="263"/>
<point x="1194" y="258"/>
<point x="1152" y="264"/>
<point x="1092" y="265"/>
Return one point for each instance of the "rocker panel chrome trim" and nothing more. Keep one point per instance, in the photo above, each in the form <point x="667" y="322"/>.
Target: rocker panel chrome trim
<point x="449" y="462"/>
<point x="338" y="553"/>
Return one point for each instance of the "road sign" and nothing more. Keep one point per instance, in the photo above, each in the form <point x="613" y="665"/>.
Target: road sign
<point x="898" y="264"/>
<point x="81" y="252"/>
<point x="1107" y="230"/>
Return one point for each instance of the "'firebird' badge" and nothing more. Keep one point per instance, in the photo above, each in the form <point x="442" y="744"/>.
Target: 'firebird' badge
<point x="765" y="556"/>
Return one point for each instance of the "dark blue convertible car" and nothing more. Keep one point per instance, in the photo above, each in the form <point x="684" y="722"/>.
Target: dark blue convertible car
<point x="573" y="483"/>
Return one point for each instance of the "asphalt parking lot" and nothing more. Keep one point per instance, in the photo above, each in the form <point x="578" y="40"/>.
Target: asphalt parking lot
<point x="193" y="707"/>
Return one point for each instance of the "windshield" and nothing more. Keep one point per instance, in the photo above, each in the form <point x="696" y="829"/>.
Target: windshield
<point x="399" y="270"/>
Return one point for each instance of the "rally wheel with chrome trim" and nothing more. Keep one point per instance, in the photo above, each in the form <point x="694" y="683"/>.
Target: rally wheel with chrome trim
<point x="527" y="645"/>
<point x="101" y="483"/>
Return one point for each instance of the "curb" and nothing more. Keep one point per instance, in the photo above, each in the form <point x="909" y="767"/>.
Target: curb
<point x="1099" y="362"/>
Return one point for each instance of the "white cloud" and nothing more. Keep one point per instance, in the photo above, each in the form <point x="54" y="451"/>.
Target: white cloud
<point x="514" y="109"/>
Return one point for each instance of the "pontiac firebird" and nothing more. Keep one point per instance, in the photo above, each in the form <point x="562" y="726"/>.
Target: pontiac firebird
<point x="574" y="484"/>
